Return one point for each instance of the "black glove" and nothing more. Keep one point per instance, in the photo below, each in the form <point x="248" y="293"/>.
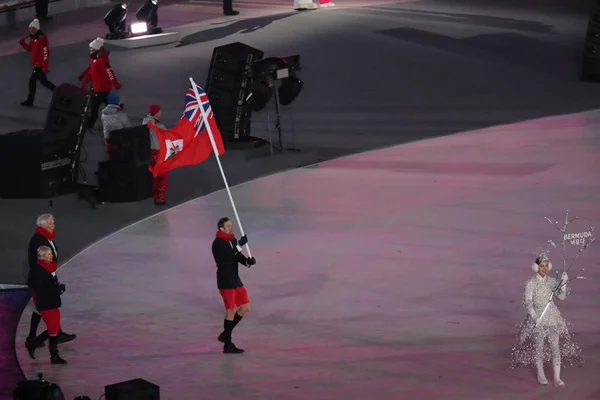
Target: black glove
<point x="243" y="240"/>
<point x="250" y="261"/>
<point x="62" y="288"/>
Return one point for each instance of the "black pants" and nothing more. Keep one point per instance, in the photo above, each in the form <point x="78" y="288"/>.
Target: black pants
<point x="97" y="99"/>
<point x="41" y="8"/>
<point x="38" y="75"/>
<point x="227" y="6"/>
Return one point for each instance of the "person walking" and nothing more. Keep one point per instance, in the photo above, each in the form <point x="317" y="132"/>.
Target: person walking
<point x="44" y="236"/>
<point x="227" y="252"/>
<point x="101" y="77"/>
<point x="46" y="292"/>
<point x="39" y="47"/>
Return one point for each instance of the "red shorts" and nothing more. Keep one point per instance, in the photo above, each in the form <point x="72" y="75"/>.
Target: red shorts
<point x="234" y="297"/>
<point x="52" y="320"/>
<point x="51" y="317"/>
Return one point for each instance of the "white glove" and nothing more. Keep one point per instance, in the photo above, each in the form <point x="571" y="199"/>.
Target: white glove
<point x="563" y="281"/>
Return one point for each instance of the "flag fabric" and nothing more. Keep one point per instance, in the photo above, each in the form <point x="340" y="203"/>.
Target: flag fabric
<point x="188" y="142"/>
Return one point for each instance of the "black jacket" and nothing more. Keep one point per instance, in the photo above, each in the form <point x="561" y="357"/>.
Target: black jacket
<point x="45" y="287"/>
<point x="227" y="258"/>
<point x="38" y="240"/>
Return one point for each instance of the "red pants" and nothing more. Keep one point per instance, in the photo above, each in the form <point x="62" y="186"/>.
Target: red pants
<point x="234" y="297"/>
<point x="160" y="183"/>
<point x="51" y="318"/>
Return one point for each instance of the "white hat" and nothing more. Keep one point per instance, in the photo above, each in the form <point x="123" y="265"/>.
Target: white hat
<point x="542" y="258"/>
<point x="35" y="24"/>
<point x="97" y="43"/>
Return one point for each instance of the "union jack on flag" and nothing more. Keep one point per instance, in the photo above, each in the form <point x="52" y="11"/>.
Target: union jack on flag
<point x="192" y="111"/>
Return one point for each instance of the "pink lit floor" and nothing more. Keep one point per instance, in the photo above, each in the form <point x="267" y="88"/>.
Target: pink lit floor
<point x="394" y="274"/>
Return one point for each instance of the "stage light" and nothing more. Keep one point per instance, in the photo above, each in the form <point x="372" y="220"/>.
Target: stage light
<point x="269" y="70"/>
<point x="290" y="89"/>
<point x="139" y="27"/>
<point x="116" y="20"/>
<point x="291" y="86"/>
<point x="265" y="73"/>
<point x="148" y="13"/>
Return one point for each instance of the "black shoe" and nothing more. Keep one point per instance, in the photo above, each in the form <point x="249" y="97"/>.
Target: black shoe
<point x="55" y="359"/>
<point x="65" y="337"/>
<point x="232" y="349"/>
<point x="221" y="337"/>
<point x="31" y="344"/>
<point x="230" y="12"/>
<point x="27" y="103"/>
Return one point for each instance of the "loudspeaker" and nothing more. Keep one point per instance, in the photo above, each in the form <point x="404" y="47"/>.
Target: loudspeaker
<point x="70" y="99"/>
<point x="68" y="109"/>
<point x="228" y="87"/>
<point x="120" y="182"/>
<point x="130" y="145"/>
<point x="65" y="124"/>
<point x="234" y="58"/>
<point x="34" y="164"/>
<point x="136" y="389"/>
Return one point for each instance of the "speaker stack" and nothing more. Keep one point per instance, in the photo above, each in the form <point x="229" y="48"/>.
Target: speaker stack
<point x="590" y="68"/>
<point x="135" y="389"/>
<point x="229" y="86"/>
<point x="125" y="176"/>
<point x="44" y="163"/>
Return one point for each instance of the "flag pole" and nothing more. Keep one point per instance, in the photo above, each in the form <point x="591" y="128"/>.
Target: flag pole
<point x="216" y="151"/>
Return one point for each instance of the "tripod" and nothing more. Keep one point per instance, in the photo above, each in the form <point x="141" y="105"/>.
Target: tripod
<point x="281" y="149"/>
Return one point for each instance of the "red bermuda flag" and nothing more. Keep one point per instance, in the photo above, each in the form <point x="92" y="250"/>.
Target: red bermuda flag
<point x="188" y="142"/>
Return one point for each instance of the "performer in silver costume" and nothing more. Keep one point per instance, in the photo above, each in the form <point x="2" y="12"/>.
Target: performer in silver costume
<point x="544" y="335"/>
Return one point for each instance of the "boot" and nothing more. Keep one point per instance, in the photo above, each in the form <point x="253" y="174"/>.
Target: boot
<point x="41" y="338"/>
<point x="31" y="344"/>
<point x="557" y="381"/>
<point x="231" y="348"/>
<point x="228" y="8"/>
<point x="54" y="357"/>
<point x="27" y="103"/>
<point x="65" y="337"/>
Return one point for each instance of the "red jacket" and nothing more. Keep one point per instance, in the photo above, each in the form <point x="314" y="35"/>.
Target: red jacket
<point x="40" y="51"/>
<point x="100" y="74"/>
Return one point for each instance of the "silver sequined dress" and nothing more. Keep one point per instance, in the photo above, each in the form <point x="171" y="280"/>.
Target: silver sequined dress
<point x="538" y="291"/>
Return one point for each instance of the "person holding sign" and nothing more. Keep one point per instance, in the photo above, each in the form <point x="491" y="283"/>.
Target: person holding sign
<point x="544" y="335"/>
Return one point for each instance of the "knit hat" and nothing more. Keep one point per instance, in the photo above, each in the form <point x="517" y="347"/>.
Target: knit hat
<point x="153" y="109"/>
<point x="113" y="98"/>
<point x="35" y="24"/>
<point x="97" y="43"/>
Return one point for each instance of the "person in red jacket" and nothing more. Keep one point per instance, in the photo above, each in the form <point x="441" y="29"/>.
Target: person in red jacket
<point x="101" y="76"/>
<point x="39" y="48"/>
